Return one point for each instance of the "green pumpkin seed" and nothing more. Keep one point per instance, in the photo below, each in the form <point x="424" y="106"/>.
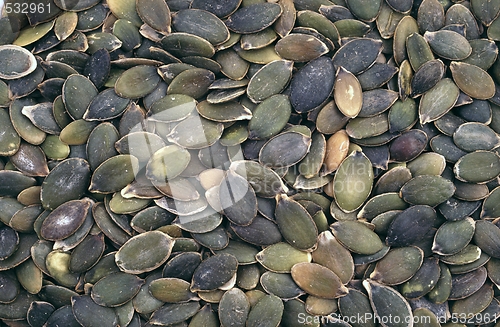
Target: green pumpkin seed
<point x="58" y="266"/>
<point x="361" y="128"/>
<point x="237" y="199"/>
<point x="192" y="20"/>
<point x="192" y="82"/>
<point x="185" y="44"/>
<point x="30" y="160"/>
<point x="419" y="51"/>
<point x="472" y="167"/>
<point x="440" y="293"/>
<point x="173" y="290"/>
<point x="413" y="191"/>
<point x="398" y="265"/>
<point x="171" y="314"/>
<point x="224" y="112"/>
<point x="115" y="289"/>
<point x="312" y="277"/>
<point x="448" y="44"/>
<point x="234" y="308"/>
<point x="281" y="285"/>
<point x="472" y="80"/>
<point x="406" y="27"/>
<point x="398" y="233"/>
<point x="312" y="84"/>
<point x="300" y="47"/>
<point x="208" y="278"/>
<point x="464" y="285"/>
<point x="486" y="237"/>
<point x="423" y="281"/>
<point x="302" y="232"/>
<point x="142" y="252"/>
<point x="380" y="295"/>
<point x="356" y="237"/>
<point x="364" y="10"/>
<point x="42" y="117"/>
<point x="475" y="303"/>
<point x="195" y="133"/>
<point x="356" y="302"/>
<point x="331" y="254"/>
<point x="267" y="312"/>
<point x="23" y="126"/>
<point x="78" y="92"/>
<point x="265" y="182"/>
<point x="427" y="76"/>
<point x="353" y="182"/>
<point x="243" y="20"/>
<point x="273" y="258"/>
<point x="65" y="220"/>
<point x="119" y="164"/>
<point x="275" y="152"/>
<point x="434" y="105"/>
<point x="462" y="231"/>
<point x="269" y="80"/>
<point x="467" y="255"/>
<point x="16" y="62"/>
<point x="88" y="313"/>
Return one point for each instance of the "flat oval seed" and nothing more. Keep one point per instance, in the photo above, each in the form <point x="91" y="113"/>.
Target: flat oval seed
<point x="347" y="93"/>
<point x="78" y="92"/>
<point x="475" y="136"/>
<point x="408" y="146"/>
<point x="234" y="308"/>
<point x="477" y="167"/>
<point x="167" y="163"/>
<point x="269" y="80"/>
<point x="464" y="285"/>
<point x="312" y="278"/>
<point x="269" y="117"/>
<point x="281" y="285"/>
<point x="16" y="62"/>
<point x="427" y="76"/>
<point x="105" y="106"/>
<point x="487" y="238"/>
<point x="267" y="312"/>
<point x="357" y="55"/>
<point x="281" y="257"/>
<point x="116" y="289"/>
<point x="364" y="10"/>
<point x="380" y="295"/>
<point x="448" y="44"/>
<point x="429" y="190"/>
<point x="155" y="13"/>
<point x="461" y="233"/>
<point x="65" y="220"/>
<point x="275" y="152"/>
<point x="144" y="252"/>
<point x="223" y="112"/>
<point x="312" y="84"/>
<point x="185" y="44"/>
<point x="331" y="254"/>
<point x="472" y="80"/>
<point x="423" y="281"/>
<point x="173" y="290"/>
<point x="295" y="223"/>
<point x="434" y="105"/>
<point x="265" y="182"/>
<point x="420" y="216"/>
<point x="214" y="272"/>
<point x="171" y="314"/>
<point x="353" y="182"/>
<point x="75" y="173"/>
<point x="357" y="237"/>
<point x="300" y="47"/>
<point x="88" y="313"/>
<point x="260" y="232"/>
<point x="196" y="132"/>
<point x="30" y="160"/>
<point x="114" y="174"/>
<point x="398" y="265"/>
<point x="238" y="199"/>
<point x="137" y="82"/>
<point x="195" y="21"/>
<point x="254" y="18"/>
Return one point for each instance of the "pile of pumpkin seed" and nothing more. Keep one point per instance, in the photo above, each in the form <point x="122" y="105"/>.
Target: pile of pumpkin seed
<point x="250" y="163"/>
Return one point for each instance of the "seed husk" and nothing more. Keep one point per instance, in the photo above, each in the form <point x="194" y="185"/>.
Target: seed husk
<point x="311" y="277"/>
<point x="348" y="234"/>
<point x="207" y="278"/>
<point x="398" y="266"/>
<point x="380" y="296"/>
<point x="478" y="159"/>
<point x="353" y="181"/>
